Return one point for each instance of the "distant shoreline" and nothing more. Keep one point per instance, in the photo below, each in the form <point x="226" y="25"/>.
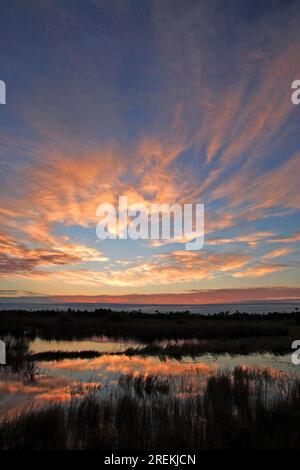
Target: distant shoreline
<point x="257" y="307"/>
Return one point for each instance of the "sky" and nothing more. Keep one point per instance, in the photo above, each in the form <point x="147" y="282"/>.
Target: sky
<point x="164" y="102"/>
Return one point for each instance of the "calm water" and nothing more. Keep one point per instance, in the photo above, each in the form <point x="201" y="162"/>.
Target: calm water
<point x="58" y="380"/>
<point x="255" y="307"/>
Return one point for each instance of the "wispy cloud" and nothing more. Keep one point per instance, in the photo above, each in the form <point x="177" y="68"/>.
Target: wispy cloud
<point x="199" y="111"/>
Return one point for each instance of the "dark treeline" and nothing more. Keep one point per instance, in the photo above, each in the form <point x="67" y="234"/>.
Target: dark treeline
<point x="145" y="327"/>
<point x="238" y="332"/>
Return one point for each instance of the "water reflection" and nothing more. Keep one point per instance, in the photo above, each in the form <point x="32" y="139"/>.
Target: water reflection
<point x="95" y="343"/>
<point x="58" y="381"/>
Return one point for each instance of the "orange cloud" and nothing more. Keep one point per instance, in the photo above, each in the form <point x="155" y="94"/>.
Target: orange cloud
<point x="208" y="143"/>
<point x="278" y="253"/>
<point x="16" y="258"/>
<point x="259" y="270"/>
<point x="177" y="266"/>
<point x="291" y="239"/>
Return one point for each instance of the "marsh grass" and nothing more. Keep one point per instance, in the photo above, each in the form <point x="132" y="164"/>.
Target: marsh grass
<point x="19" y="363"/>
<point x="237" y="333"/>
<point x="195" y="349"/>
<point x="61" y="355"/>
<point x="145" y="384"/>
<point x="241" y="409"/>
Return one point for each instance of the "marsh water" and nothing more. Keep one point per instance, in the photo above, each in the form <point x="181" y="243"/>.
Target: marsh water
<point x="59" y="380"/>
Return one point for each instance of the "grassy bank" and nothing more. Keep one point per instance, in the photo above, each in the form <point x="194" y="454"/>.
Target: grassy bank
<point x="246" y="409"/>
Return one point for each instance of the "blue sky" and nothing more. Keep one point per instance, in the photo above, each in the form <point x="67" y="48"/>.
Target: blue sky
<point x="163" y="102"/>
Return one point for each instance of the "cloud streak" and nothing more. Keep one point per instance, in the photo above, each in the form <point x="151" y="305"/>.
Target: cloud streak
<point x="199" y="111"/>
